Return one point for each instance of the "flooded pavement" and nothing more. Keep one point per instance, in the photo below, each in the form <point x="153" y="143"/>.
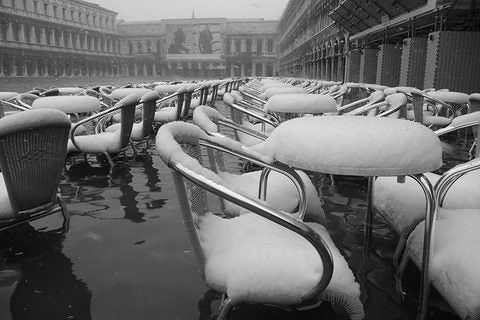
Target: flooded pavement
<point x="126" y="254"/>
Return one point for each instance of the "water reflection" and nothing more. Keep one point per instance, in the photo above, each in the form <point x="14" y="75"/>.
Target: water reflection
<point x="46" y="287"/>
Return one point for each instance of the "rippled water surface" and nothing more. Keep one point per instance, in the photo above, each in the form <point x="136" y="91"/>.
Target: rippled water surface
<point x="126" y="254"/>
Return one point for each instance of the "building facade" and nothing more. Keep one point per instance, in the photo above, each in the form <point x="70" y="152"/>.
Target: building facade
<point x="201" y="47"/>
<point x="420" y="43"/>
<point x="56" y="38"/>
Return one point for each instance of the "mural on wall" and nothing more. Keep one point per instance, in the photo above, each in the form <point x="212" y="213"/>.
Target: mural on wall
<point x="193" y="40"/>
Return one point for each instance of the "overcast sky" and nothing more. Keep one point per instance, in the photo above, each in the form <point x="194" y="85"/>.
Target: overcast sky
<point x="137" y="10"/>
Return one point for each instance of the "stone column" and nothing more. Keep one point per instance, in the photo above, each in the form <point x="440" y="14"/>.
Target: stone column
<point x="9" y="31"/>
<point x="242" y="70"/>
<point x="243" y="45"/>
<point x="33" y="35"/>
<point x="52" y="38"/>
<point x="1" y="66"/>
<point x="154" y="69"/>
<point x="70" y="41"/>
<point x="254" y="69"/>
<point x="341" y="68"/>
<point x="264" y="70"/>
<point x="35" y="67"/>
<point x="232" y="72"/>
<point x="61" y="40"/>
<point x="144" y="69"/>
<point x="21" y="34"/>
<point x="135" y="69"/>
<point x="14" y="66"/>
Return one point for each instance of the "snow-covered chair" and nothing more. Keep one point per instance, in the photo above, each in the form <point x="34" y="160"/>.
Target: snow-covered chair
<point x="360" y="146"/>
<point x="180" y="96"/>
<point x="143" y="129"/>
<point x="402" y="205"/>
<point x="32" y="156"/>
<point x="454" y="257"/>
<point x="262" y="256"/>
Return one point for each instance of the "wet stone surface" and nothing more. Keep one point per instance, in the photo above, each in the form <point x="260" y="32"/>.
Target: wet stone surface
<point x="126" y="254"/>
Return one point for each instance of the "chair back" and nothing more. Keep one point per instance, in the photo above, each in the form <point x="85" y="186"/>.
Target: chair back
<point x="148" y="114"/>
<point x="33" y="146"/>
<point x="127" y="107"/>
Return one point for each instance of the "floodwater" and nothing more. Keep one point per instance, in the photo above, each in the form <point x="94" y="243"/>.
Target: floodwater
<point x="126" y="254"/>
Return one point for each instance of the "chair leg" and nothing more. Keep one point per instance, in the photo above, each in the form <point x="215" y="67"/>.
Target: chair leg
<point x="225" y="309"/>
<point x="109" y="159"/>
<point x="399" y="274"/>
<point x="399" y="250"/>
<point x="369" y="216"/>
<point x="134" y="150"/>
<point x="66" y="214"/>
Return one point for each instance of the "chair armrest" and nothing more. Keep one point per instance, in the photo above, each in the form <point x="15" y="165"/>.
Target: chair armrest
<point x="460" y="122"/>
<point x="271" y="214"/>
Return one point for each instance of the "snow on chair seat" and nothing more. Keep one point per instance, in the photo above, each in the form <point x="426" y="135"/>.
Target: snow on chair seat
<point x="368" y="146"/>
<point x="121" y="93"/>
<point x="68" y="104"/>
<point x="454" y="258"/>
<point x="301" y="103"/>
<point x="267" y="94"/>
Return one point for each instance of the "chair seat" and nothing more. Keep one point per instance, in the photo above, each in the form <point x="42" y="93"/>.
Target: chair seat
<point x="135" y="135"/>
<point x="249" y="140"/>
<point x="68" y="104"/>
<point x="270" y="92"/>
<point x="365" y="146"/>
<point x="166" y="114"/>
<point x="123" y="92"/>
<point x="194" y="103"/>
<point x="301" y="103"/>
<point x="281" y="193"/>
<point x="454" y="260"/>
<point x="429" y="119"/>
<point x="6" y="211"/>
<point x="97" y="143"/>
<point x="255" y="260"/>
<point x="403" y="204"/>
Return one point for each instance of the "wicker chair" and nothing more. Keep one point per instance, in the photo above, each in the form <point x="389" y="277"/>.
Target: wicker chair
<point x="262" y="256"/>
<point x="33" y="147"/>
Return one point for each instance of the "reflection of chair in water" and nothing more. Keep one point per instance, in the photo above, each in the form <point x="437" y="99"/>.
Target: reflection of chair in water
<point x="262" y="256"/>
<point x="46" y="287"/>
<point x="32" y="155"/>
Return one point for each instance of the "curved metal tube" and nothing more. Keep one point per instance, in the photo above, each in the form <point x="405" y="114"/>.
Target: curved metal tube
<point x="278" y="167"/>
<point x="275" y="216"/>
<point x="430" y="217"/>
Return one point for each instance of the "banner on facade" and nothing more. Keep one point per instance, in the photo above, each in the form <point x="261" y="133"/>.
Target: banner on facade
<point x="193" y="41"/>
